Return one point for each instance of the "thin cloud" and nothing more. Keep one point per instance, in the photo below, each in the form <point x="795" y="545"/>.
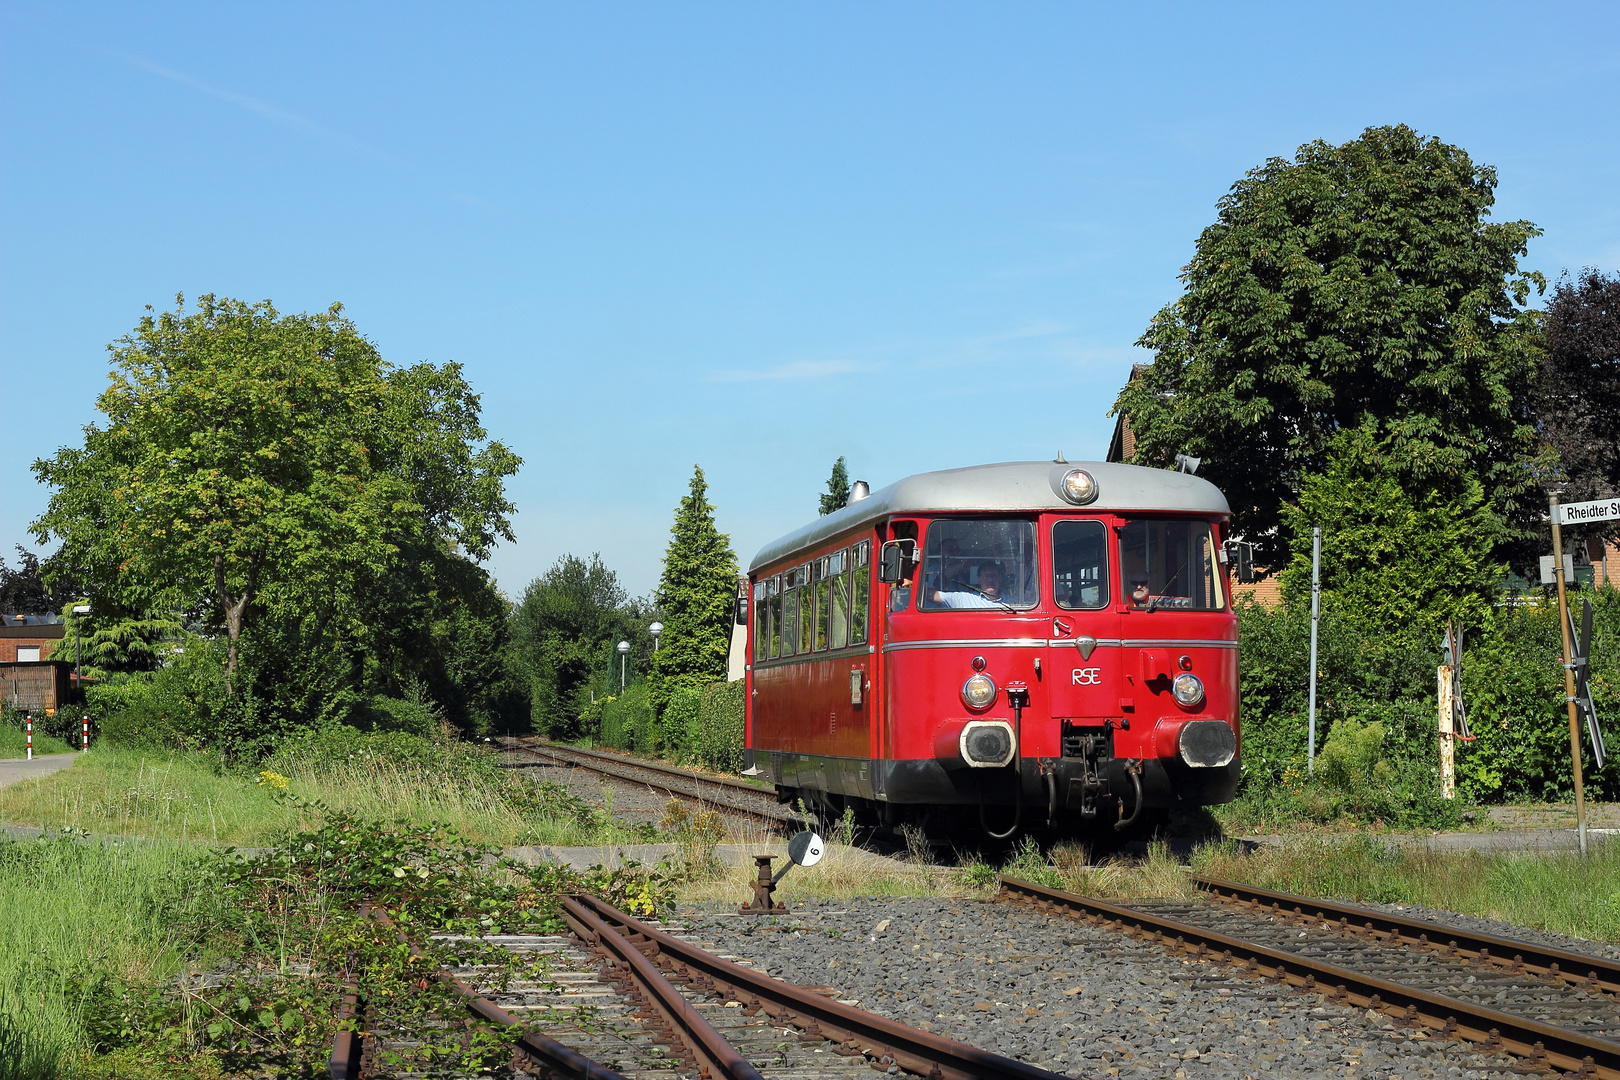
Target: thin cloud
<point x="798" y="369"/>
<point x="263" y="109"/>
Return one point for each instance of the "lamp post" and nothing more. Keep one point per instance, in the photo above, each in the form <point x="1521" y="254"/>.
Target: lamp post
<point x="78" y="648"/>
<point x="624" y="651"/>
<point x="655" y="630"/>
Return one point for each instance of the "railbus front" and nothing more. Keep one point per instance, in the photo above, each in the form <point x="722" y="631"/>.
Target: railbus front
<point x="1039" y="644"/>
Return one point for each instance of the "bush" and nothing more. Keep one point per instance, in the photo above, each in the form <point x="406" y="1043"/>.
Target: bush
<point x="628" y="722"/>
<point x="718" y="740"/>
<point x="682" y="723"/>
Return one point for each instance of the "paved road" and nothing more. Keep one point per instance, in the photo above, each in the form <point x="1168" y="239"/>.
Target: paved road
<point x="15" y="769"/>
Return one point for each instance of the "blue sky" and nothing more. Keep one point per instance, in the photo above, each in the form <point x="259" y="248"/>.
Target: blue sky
<point x="752" y="237"/>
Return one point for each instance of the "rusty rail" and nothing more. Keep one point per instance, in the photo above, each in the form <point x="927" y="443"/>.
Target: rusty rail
<point x="673" y="781"/>
<point x="1573" y="967"/>
<point x="1544" y="1045"/>
<point x="546" y="1051"/>
<point x="851" y="1030"/>
<point x="715" y="1056"/>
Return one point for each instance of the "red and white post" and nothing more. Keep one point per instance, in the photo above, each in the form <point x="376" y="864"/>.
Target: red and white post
<point x="29" y="722"/>
<point x="85" y="747"/>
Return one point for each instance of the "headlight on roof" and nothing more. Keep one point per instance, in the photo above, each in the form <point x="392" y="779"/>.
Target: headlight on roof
<point x="1189" y="689"/>
<point x="1079" y="486"/>
<point x="979" y="691"/>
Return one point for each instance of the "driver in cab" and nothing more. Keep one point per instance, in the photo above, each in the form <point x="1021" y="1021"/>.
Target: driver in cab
<point x="987" y="594"/>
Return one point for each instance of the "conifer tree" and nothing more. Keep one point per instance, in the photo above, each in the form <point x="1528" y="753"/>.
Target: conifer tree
<point x="695" y="597"/>
<point x="837" y="494"/>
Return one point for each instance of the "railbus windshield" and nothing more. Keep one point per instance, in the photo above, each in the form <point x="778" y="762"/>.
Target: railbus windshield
<point x="980" y="563"/>
<point x="1170" y="565"/>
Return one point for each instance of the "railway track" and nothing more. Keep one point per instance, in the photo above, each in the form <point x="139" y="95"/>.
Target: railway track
<point x="624" y="999"/>
<point x="1554" y="1009"/>
<point x="724" y="793"/>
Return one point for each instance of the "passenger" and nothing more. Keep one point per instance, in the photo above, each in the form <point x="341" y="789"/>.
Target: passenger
<point x="987" y="595"/>
<point x="1140" y="593"/>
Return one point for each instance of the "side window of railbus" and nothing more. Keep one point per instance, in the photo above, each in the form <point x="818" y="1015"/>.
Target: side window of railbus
<point x="1170" y="565"/>
<point x="762" y="632"/>
<point x="986" y="564"/>
<point x="860" y="557"/>
<point x="823" y="600"/>
<point x="1080" y="565"/>
<point x="807" y="607"/>
<point x="774" y="601"/>
<point x="790" y="614"/>
<point x="838" y="628"/>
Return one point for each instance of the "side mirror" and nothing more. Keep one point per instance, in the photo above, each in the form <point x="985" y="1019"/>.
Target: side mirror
<point x="1243" y="562"/>
<point x="891" y="563"/>
<point x="742" y="604"/>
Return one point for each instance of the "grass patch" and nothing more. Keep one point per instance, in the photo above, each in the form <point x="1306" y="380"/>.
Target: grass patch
<point x="189" y="796"/>
<point x="81" y="919"/>
<point x="14" y="743"/>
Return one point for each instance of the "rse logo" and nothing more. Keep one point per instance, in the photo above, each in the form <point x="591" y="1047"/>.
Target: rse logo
<point x="1087" y="676"/>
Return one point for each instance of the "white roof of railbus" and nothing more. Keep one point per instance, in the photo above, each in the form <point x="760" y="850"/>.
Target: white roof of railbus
<point x="1011" y="486"/>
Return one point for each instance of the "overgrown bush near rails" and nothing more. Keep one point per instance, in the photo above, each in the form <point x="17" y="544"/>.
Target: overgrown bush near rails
<point x="217" y="964"/>
<point x="1377" y="750"/>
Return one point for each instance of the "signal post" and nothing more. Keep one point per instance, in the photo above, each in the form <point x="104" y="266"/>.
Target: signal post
<point x="1574" y="513"/>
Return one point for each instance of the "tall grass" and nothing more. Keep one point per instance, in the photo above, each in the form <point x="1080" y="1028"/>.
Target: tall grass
<point x="79" y="916"/>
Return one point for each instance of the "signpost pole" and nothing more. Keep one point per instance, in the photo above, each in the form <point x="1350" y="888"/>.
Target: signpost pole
<point x="1316" y="614"/>
<point x="1569" y="670"/>
<point x="1448" y="739"/>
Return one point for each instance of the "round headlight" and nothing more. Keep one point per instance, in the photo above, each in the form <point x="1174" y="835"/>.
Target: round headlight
<point x="1079" y="486"/>
<point x="1188" y="688"/>
<point x="979" y="691"/>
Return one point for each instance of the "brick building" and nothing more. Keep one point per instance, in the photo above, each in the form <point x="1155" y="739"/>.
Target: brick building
<point x="25" y="638"/>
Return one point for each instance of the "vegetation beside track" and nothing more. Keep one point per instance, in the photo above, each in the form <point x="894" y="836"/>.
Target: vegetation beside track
<point x="122" y="791"/>
<point x="151" y="959"/>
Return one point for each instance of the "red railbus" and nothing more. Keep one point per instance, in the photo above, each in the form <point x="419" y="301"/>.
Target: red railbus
<point x="1030" y="644"/>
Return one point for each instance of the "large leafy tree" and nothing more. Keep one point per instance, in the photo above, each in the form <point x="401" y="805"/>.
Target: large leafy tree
<point x="255" y="462"/>
<point x="1579" y="394"/>
<point x="695" y="597"/>
<point x="1353" y="285"/>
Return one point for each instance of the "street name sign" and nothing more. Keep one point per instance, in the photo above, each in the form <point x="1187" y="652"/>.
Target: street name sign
<point x="1586" y="513"/>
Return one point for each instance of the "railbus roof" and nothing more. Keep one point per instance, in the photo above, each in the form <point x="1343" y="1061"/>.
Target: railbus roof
<point x="1015" y="486"/>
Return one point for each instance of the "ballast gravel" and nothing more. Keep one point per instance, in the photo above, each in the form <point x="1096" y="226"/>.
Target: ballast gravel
<point x="1074" y="998"/>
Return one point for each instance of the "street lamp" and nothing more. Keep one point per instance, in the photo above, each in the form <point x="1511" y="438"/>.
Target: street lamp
<point x="624" y="651"/>
<point x="655" y="629"/>
<point x="78" y="650"/>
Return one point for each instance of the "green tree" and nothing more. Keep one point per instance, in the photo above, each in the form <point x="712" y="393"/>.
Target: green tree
<point x="1393" y="558"/>
<point x="836" y="497"/>
<point x="1579" y="393"/>
<point x="1355" y="284"/>
<point x="260" y="465"/>
<point x="559" y="630"/>
<point x="695" y="595"/>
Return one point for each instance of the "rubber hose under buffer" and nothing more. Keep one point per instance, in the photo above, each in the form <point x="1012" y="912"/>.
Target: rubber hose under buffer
<point x="1016" y="698"/>
<point x="1133" y="769"/>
